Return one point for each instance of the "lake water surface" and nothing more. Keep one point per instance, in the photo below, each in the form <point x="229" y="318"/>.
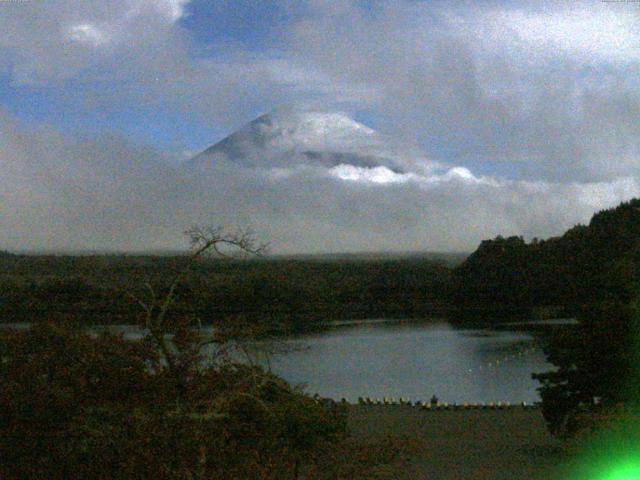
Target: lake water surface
<point x="414" y="360"/>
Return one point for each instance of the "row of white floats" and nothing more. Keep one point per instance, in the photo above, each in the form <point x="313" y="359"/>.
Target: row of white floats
<point x="445" y="405"/>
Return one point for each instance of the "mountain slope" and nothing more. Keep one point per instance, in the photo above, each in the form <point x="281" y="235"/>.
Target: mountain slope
<point x="293" y="138"/>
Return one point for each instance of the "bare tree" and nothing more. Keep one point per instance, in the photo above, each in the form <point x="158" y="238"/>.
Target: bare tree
<point x="204" y="241"/>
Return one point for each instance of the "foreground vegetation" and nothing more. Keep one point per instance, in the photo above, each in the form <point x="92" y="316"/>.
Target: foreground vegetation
<point x="79" y="406"/>
<point x="75" y="406"/>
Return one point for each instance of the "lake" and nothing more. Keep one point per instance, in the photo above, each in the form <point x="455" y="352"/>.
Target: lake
<point x="407" y="359"/>
<point x="414" y="360"/>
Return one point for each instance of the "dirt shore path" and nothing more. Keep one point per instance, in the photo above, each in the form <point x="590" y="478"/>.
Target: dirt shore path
<point x="508" y="444"/>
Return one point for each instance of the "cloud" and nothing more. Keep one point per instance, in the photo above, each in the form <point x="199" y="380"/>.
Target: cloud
<point x="596" y="32"/>
<point x="369" y="175"/>
<point x="171" y="10"/>
<point x="545" y="91"/>
<point x="359" y="209"/>
<point x="58" y="194"/>
<point x="86" y="32"/>
<point x="529" y="91"/>
<point x="524" y="116"/>
<point x="61" y="41"/>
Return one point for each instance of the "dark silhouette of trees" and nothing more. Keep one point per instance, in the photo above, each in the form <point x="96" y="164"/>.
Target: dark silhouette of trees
<point x="297" y="293"/>
<point x="509" y="276"/>
<point x="77" y="406"/>
<point x="596" y="367"/>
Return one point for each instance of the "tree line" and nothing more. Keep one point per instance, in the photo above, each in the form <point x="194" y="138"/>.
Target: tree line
<point x="294" y="293"/>
<point x="508" y="276"/>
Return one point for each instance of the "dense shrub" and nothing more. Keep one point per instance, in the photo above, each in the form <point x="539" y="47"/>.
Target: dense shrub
<point x="597" y="367"/>
<point x="80" y="406"/>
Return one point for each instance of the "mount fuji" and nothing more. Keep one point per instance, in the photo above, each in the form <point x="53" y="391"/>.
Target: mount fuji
<point x="293" y="138"/>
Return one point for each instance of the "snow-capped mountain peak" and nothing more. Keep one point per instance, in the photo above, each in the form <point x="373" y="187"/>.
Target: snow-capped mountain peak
<point x="315" y="128"/>
<point x="283" y="139"/>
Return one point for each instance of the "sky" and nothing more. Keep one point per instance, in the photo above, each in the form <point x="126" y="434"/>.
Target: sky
<point x="509" y="117"/>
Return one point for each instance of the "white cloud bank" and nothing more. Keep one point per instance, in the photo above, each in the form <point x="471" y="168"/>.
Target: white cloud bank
<point x="57" y="194"/>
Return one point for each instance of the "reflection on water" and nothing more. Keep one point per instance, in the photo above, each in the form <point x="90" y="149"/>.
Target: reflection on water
<point x="414" y="360"/>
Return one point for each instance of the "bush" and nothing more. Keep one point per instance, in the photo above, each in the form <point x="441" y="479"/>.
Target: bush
<point x="597" y="366"/>
<point x="80" y="406"/>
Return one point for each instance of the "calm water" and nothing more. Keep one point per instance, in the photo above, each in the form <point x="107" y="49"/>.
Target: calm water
<point x="408" y="359"/>
<point x="414" y="360"/>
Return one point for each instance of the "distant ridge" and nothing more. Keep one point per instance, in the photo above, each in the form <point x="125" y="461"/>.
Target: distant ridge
<point x="447" y="258"/>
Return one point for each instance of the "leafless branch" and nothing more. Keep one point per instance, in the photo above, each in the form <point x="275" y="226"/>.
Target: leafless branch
<point x="203" y="240"/>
